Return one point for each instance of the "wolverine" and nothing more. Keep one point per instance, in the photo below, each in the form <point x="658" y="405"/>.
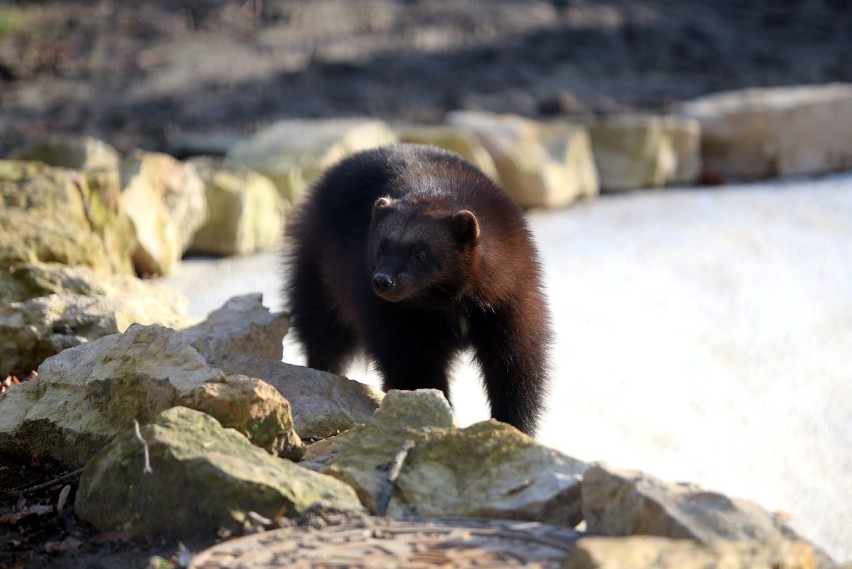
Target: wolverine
<point x="410" y="254"/>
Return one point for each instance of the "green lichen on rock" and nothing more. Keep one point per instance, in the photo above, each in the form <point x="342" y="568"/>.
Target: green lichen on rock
<point x="489" y="469"/>
<point x="48" y="215"/>
<point x="49" y="307"/>
<point x="204" y="477"/>
<point x="31" y="280"/>
<point x="365" y="450"/>
<point x="95" y="390"/>
<point x="252" y="407"/>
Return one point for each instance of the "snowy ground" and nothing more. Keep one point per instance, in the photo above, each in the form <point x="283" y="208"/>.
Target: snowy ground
<point x="703" y="335"/>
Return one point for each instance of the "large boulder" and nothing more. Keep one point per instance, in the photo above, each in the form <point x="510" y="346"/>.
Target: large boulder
<point x="36" y="329"/>
<point x="293" y="153"/>
<point x="47" y="307"/>
<point x="782" y="131"/>
<point x="489" y="469"/>
<point x="246" y="210"/>
<point x="30" y="280"/>
<point x="165" y="199"/>
<point x="98" y="163"/>
<point x="620" y="503"/>
<point x="202" y="477"/>
<point x="323" y="404"/>
<point x="241" y="327"/>
<point x="642" y="552"/>
<point x="87" y="394"/>
<point x="685" y="136"/>
<point x="55" y="215"/>
<point x="539" y="165"/>
<point x="645" y="151"/>
<point x="357" y="456"/>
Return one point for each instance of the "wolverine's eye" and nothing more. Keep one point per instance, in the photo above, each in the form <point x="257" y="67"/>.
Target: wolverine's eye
<point x="420" y="253"/>
<point x="380" y="249"/>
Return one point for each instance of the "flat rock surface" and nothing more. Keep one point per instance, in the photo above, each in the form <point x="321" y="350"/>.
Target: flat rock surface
<point x="702" y="335"/>
<point x="339" y="539"/>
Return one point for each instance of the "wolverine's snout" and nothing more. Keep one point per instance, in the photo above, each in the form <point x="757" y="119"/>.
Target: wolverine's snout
<point x="382" y="283"/>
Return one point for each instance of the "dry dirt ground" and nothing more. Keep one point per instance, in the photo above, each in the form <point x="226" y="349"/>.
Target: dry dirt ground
<point x="144" y="73"/>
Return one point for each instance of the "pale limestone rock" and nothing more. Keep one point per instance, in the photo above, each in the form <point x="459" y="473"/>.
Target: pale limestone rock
<point x="539" y="165"/>
<point x="252" y="407"/>
<point x="782" y="131"/>
<point x="685" y="136"/>
<point x="323" y="404"/>
<point x="84" y="395"/>
<point x="361" y="453"/>
<point x="293" y="153"/>
<point x="246" y="212"/>
<point x="203" y="477"/>
<point x="573" y="163"/>
<point x="35" y="329"/>
<point x="31" y="280"/>
<point x="48" y="307"/>
<point x="617" y="503"/>
<point x="462" y="141"/>
<point x="241" y="327"/>
<point x="646" y="151"/>
<point x="53" y="214"/>
<point x="98" y="163"/>
<point x="489" y="469"/>
<point x="632" y="151"/>
<point x="165" y="199"/>
<point x="661" y="553"/>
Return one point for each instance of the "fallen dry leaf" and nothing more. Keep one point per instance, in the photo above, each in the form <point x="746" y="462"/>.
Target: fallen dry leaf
<point x="35" y="509"/>
<point x="67" y="544"/>
<point x="63" y="498"/>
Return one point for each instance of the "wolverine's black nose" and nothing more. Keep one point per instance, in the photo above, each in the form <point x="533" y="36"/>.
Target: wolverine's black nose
<point x="382" y="282"/>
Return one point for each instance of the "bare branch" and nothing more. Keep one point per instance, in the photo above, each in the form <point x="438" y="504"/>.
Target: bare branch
<point x="147" y="468"/>
<point x="394" y="469"/>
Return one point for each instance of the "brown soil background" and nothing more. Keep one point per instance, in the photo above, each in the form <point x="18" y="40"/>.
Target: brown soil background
<point x="140" y="73"/>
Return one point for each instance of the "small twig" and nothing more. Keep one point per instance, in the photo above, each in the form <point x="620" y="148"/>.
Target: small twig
<point x="393" y="473"/>
<point x="147" y="468"/>
<point x="37" y="487"/>
<point x="184" y="555"/>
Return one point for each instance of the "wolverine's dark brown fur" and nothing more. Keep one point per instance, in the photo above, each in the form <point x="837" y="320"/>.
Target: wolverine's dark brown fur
<point x="412" y="254"/>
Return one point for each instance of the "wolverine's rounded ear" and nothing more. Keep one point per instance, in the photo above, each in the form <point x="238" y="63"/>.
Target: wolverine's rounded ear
<point x="379" y="206"/>
<point x="383" y="201"/>
<point x="465" y="227"/>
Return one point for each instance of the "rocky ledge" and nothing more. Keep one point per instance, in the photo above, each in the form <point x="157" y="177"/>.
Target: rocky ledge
<point x="181" y="432"/>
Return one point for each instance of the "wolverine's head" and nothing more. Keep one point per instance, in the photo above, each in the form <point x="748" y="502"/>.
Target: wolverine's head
<point x="420" y="248"/>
